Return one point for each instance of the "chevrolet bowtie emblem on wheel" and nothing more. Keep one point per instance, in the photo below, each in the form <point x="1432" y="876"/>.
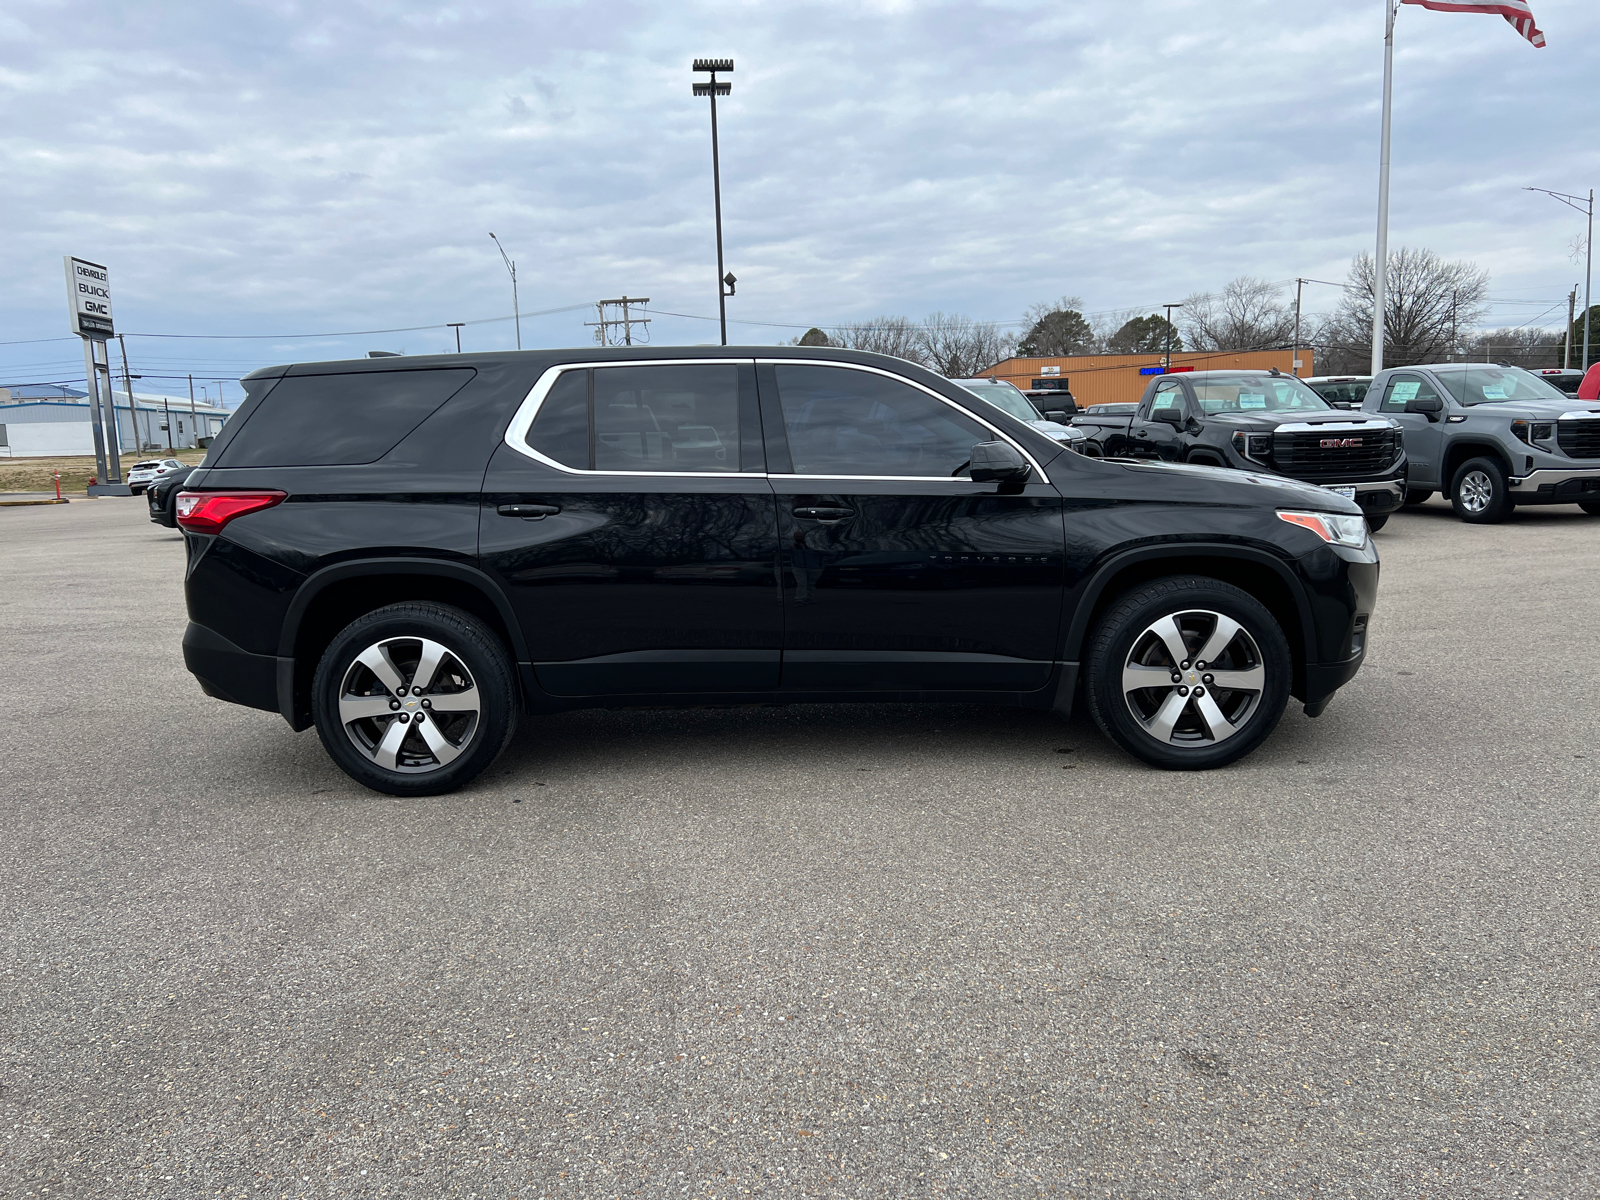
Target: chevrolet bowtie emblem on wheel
<point x="1339" y="443"/>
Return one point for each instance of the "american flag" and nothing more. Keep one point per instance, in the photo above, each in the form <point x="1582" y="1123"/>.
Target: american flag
<point x="1515" y="11"/>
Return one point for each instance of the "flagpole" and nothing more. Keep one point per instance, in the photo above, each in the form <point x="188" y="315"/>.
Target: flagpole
<point x="1381" y="262"/>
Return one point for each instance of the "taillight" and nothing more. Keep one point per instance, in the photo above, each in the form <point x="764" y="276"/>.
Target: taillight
<point x="208" y="512"/>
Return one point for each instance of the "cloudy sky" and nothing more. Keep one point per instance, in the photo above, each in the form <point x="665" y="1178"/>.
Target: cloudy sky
<point x="285" y="168"/>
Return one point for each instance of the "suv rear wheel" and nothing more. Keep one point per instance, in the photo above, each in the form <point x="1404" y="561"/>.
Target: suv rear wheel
<point x="415" y="699"/>
<point x="1479" y="492"/>
<point x="1188" y="673"/>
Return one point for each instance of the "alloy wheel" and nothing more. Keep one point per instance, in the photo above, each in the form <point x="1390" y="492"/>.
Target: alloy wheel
<point x="1193" y="678"/>
<point x="409" y="704"/>
<point x="1476" y="490"/>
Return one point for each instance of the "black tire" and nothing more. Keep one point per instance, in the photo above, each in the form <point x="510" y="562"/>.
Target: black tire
<point x="1377" y="521"/>
<point x="1125" y="639"/>
<point x="463" y="719"/>
<point x="1418" y="495"/>
<point x="1591" y="507"/>
<point x="1479" y="493"/>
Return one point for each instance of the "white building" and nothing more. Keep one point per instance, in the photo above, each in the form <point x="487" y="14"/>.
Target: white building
<point x="40" y="420"/>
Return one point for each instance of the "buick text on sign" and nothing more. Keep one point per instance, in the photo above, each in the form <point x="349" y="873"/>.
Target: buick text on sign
<point x="89" y="298"/>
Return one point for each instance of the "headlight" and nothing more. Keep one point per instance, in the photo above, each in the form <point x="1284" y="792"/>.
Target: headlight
<point x="1533" y="431"/>
<point x="1253" y="445"/>
<point x="1331" y="527"/>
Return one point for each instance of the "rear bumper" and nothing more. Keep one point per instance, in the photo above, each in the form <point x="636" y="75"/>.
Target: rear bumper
<point x="229" y="673"/>
<point x="1556" y="487"/>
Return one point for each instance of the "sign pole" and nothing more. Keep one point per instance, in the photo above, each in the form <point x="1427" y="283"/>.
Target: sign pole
<point x="91" y="375"/>
<point x="1380" y="264"/>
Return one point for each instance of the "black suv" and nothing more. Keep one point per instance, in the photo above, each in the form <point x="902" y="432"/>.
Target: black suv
<point x="413" y="554"/>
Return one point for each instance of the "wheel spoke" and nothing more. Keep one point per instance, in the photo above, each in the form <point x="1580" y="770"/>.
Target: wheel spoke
<point x="355" y="708"/>
<point x="1227" y="628"/>
<point x="376" y="659"/>
<point x="388" y="750"/>
<point x="1167" y="630"/>
<point x="464" y="701"/>
<point x="1135" y="676"/>
<point x="1252" y="679"/>
<point x="1160" y="725"/>
<point x="428" y="665"/>
<point x="437" y="742"/>
<point x="1220" y="727"/>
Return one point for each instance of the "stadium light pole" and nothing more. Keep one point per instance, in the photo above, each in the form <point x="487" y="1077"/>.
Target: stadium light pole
<point x="1588" y="267"/>
<point x="516" y="310"/>
<point x="1166" y="364"/>
<point x="713" y="89"/>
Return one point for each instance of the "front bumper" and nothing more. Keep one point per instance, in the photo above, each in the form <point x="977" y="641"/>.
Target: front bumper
<point x="1382" y="496"/>
<point x="1553" y="486"/>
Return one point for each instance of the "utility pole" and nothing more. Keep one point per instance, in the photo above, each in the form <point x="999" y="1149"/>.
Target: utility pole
<point x="714" y="89"/>
<point x="166" y="413"/>
<point x="516" y="308"/>
<point x="1585" y="206"/>
<point x="1572" y="319"/>
<point x="194" y="418"/>
<point x="456" y="325"/>
<point x="127" y="383"/>
<point x="1299" y="285"/>
<point x="602" y="327"/>
<point x="1380" y="261"/>
<point x="1166" y="361"/>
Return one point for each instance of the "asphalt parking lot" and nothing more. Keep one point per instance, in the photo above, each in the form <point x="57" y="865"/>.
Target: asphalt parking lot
<point x="816" y="951"/>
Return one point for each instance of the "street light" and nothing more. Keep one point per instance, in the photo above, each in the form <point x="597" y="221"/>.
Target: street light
<point x="1588" y="267"/>
<point x="456" y="325"/>
<point x="714" y="89"/>
<point x="1167" y="365"/>
<point x="516" y="310"/>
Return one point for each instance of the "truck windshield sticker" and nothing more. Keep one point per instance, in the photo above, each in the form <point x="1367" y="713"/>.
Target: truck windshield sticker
<point x="1406" y="390"/>
<point x="1494" y="391"/>
<point x="1252" y="400"/>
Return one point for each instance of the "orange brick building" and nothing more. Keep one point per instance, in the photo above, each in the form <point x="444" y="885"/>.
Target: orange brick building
<point x="1108" y="378"/>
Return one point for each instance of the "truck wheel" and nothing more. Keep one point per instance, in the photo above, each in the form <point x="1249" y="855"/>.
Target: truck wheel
<point x="1591" y="507"/>
<point x="1418" y="495"/>
<point x="1188" y="673"/>
<point x="1479" y="492"/>
<point x="414" y="699"/>
<point x="1375" y="523"/>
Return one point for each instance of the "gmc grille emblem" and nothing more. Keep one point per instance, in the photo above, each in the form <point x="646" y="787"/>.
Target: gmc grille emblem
<point x="1339" y="443"/>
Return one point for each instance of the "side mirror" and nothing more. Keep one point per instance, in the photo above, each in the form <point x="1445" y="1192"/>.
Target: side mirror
<point x="1345" y="404"/>
<point x="998" y="462"/>
<point x="1171" y="416"/>
<point x="1058" y="415"/>
<point x="1428" y="406"/>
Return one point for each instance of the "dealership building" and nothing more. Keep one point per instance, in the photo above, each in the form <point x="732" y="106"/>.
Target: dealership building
<point x="48" y="420"/>
<point x="1119" y="378"/>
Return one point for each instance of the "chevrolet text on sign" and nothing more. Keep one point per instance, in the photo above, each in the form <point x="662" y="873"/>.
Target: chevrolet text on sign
<point x="89" y="298"/>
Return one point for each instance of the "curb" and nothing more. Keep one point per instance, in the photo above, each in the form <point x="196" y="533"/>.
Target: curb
<point x="25" y="503"/>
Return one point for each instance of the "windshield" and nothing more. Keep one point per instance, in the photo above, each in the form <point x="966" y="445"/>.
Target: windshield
<point x="1346" y="391"/>
<point x="1005" y="397"/>
<point x="1220" y="393"/>
<point x="1474" y="383"/>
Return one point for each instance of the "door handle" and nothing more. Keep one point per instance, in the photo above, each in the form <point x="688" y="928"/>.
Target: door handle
<point x="824" y="513"/>
<point x="529" y="512"/>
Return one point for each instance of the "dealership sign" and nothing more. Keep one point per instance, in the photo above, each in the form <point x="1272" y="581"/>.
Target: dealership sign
<point x="89" y="298"/>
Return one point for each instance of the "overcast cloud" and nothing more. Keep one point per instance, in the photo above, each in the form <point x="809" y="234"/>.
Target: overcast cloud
<point x="280" y="168"/>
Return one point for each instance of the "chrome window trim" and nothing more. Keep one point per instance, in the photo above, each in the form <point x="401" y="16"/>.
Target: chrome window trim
<point x="522" y="421"/>
<point x="921" y="387"/>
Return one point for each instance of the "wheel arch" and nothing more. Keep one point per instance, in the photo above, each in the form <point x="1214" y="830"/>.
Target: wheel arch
<point x="1206" y="458"/>
<point x="1457" y="453"/>
<point x="1253" y="571"/>
<point x="334" y="596"/>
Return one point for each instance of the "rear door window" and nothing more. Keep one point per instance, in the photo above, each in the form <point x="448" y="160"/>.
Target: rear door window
<point x="654" y="419"/>
<point x="845" y="422"/>
<point x="339" y="420"/>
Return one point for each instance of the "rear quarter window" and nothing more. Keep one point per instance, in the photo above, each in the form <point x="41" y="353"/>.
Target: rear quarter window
<point x="339" y="420"/>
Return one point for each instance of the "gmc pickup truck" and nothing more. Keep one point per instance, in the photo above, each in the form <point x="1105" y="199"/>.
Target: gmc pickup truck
<point x="1491" y="438"/>
<point x="1261" y="421"/>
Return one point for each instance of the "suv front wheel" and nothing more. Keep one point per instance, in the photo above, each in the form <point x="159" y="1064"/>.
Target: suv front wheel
<point x="1188" y="673"/>
<point x="415" y="699"/>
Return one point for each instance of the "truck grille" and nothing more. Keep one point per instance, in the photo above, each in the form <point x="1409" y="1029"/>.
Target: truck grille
<point x="1304" y="456"/>
<point x="1579" y="439"/>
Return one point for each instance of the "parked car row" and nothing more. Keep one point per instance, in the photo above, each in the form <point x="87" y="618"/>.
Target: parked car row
<point x="1488" y="437"/>
<point x="474" y="540"/>
<point x="143" y="474"/>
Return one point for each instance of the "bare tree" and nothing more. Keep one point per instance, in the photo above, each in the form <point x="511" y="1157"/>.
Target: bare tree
<point x="1429" y="307"/>
<point x="1249" y="314"/>
<point x="958" y="347"/>
<point x="898" y="337"/>
<point x="1531" y="348"/>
